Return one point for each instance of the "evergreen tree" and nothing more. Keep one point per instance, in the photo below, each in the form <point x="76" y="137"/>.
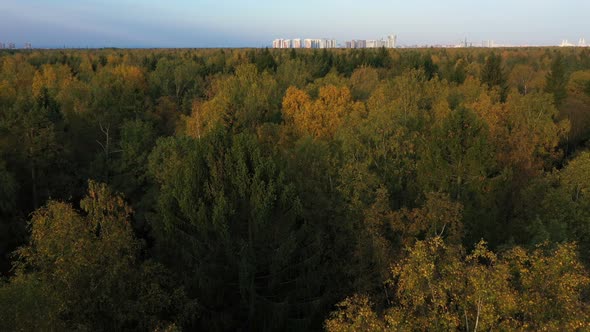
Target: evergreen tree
<point x="493" y="74"/>
<point x="557" y="80"/>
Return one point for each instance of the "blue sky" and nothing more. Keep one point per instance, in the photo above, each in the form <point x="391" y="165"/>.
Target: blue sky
<point x="234" y="23"/>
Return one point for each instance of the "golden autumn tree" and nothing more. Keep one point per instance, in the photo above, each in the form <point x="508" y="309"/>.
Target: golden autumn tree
<point x="241" y="101"/>
<point x="439" y="216"/>
<point x="363" y="81"/>
<point x="319" y="118"/>
<point x="355" y="314"/>
<point x="528" y="133"/>
<point x="84" y="268"/>
<point x="526" y="79"/>
<point x="437" y="287"/>
<point x="576" y="106"/>
<point x="551" y="283"/>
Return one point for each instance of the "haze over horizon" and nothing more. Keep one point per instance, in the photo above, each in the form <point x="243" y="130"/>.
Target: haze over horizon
<point x="233" y="23"/>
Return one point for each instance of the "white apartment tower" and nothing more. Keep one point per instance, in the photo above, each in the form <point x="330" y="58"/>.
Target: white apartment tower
<point x="391" y="41"/>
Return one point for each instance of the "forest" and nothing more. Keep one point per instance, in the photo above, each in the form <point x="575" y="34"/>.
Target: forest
<point x="295" y="190"/>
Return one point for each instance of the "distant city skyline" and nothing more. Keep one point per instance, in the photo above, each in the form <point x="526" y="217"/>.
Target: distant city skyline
<point x="388" y="42"/>
<point x="235" y="23"/>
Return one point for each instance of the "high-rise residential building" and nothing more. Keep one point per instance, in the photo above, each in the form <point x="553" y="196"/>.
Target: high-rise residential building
<point x="12" y="46"/>
<point x="391" y="41"/>
<point x="313" y="43"/>
<point x="305" y="43"/>
<point x="327" y="43"/>
<point x="331" y="43"/>
<point x="294" y="43"/>
<point x="2" y="46"/>
<point x="488" y="44"/>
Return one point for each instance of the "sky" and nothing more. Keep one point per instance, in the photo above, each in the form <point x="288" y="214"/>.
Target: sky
<point x="248" y="23"/>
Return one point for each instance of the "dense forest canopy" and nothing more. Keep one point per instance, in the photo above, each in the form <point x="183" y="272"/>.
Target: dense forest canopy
<point x="257" y="190"/>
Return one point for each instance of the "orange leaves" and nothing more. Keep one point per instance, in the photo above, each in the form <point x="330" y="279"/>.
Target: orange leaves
<point x="199" y="122"/>
<point x="331" y="96"/>
<point x="318" y="118"/>
<point x="52" y="78"/>
<point x="294" y="104"/>
<point x="132" y="75"/>
<point x="525" y="130"/>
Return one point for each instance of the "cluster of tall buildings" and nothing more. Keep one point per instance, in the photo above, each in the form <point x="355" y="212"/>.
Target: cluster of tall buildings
<point x="12" y="46"/>
<point x="8" y="46"/>
<point x="304" y="43"/>
<point x="389" y="42"/>
<point x="581" y="43"/>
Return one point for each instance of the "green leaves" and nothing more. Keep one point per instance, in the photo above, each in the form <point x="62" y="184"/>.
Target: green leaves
<point x="458" y="157"/>
<point x="493" y="74"/>
<point x="227" y="218"/>
<point x="85" y="268"/>
<point x="557" y="80"/>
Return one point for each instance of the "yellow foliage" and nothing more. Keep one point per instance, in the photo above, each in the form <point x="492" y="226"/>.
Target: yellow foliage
<point x="54" y="78"/>
<point x="132" y="75"/>
<point x="363" y="81"/>
<point x="318" y="118"/>
<point x="355" y="314"/>
<point x="7" y="93"/>
<point x="525" y="130"/>
<point x="74" y="96"/>
<point x="197" y="123"/>
<point x="440" y="216"/>
<point x="579" y="85"/>
<point x="38" y="84"/>
<point x="438" y="288"/>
